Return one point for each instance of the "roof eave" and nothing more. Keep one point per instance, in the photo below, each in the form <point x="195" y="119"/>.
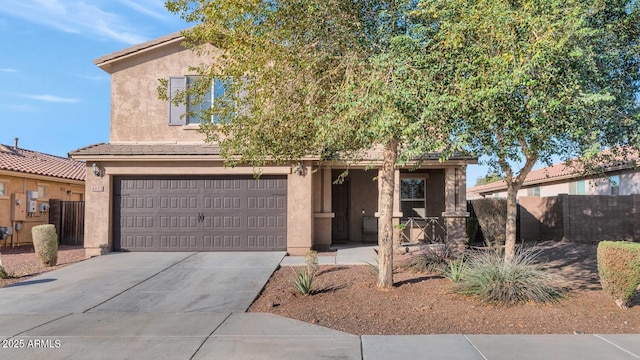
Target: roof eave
<point x="105" y="62"/>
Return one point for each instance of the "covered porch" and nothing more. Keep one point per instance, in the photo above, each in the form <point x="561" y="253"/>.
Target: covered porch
<point x="429" y="206"/>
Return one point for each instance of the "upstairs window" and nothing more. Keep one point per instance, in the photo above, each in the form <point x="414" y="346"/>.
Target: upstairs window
<point x="3" y="189"/>
<point x="193" y="112"/>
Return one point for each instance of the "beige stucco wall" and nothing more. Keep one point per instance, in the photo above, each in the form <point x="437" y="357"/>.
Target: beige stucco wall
<point x="99" y="204"/>
<point x="630" y="182"/>
<point x="16" y="183"/>
<point x="136" y="112"/>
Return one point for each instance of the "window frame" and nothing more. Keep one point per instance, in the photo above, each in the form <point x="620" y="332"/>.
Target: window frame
<point x="578" y="187"/>
<point x="614" y="184"/>
<point x="42" y="195"/>
<point x="4" y="186"/>
<point x="424" y="178"/>
<point x="189" y="112"/>
<point x="533" y="191"/>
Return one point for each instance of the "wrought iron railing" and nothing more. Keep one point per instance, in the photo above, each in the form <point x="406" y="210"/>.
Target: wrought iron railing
<point x="428" y="230"/>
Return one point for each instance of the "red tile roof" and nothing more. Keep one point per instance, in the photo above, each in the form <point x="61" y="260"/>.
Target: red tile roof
<point x="33" y="162"/>
<point x="558" y="172"/>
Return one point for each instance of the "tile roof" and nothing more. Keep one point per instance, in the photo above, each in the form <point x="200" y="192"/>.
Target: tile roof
<point x="33" y="162"/>
<point x="147" y="149"/>
<point x="139" y="47"/>
<point x="136" y="149"/>
<point x="559" y="171"/>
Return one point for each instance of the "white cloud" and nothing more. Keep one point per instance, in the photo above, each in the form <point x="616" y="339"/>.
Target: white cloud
<point x="153" y="8"/>
<point x="8" y="70"/>
<point x="77" y="17"/>
<point x="19" y="107"/>
<point x="51" y="98"/>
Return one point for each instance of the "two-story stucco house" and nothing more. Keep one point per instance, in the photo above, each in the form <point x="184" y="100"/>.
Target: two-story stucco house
<point x="157" y="186"/>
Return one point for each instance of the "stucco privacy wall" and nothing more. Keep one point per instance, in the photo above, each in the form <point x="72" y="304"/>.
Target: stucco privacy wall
<point x="137" y="114"/>
<point x="99" y="196"/>
<point x="68" y="190"/>
<point x="580" y="218"/>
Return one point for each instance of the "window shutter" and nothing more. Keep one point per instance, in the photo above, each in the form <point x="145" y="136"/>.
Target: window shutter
<point x="177" y="114"/>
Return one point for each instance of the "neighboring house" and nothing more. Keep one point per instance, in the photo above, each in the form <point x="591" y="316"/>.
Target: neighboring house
<point x="157" y="186"/>
<point x="28" y="180"/>
<point x="617" y="178"/>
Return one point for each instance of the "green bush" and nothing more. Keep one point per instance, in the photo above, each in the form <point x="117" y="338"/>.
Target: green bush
<point x="455" y="269"/>
<point x="619" y="269"/>
<point x="45" y="242"/>
<point x="488" y="277"/>
<point x="428" y="260"/>
<point x="303" y="281"/>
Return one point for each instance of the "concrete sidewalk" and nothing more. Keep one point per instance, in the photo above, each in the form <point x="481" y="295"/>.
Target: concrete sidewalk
<point x="266" y="336"/>
<point x="192" y="306"/>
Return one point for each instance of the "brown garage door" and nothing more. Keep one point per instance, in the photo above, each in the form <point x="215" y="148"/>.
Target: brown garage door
<point x="200" y="214"/>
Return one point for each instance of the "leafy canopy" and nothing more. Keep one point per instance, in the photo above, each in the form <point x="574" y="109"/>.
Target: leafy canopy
<point x="315" y="77"/>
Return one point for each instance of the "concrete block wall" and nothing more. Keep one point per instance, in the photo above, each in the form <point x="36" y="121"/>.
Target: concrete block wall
<point x="580" y="218"/>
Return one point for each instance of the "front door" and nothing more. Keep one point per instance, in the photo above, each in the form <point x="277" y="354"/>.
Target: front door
<point x="340" y="207"/>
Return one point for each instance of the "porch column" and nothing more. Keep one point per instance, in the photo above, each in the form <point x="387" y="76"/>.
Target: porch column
<point x="98" y="197"/>
<point x="322" y="209"/>
<point x="300" y="229"/>
<point x="455" y="213"/>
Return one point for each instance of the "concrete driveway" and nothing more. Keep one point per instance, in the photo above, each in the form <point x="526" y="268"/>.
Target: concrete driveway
<point x="146" y="283"/>
<point x="192" y="306"/>
<point x="157" y="306"/>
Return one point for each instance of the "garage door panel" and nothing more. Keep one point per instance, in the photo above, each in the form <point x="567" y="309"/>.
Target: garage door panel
<point x="210" y="214"/>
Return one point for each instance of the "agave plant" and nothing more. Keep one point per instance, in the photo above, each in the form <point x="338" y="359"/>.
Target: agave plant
<point x="302" y="281"/>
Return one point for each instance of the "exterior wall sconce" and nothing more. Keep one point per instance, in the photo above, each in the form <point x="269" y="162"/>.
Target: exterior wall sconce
<point x="299" y="170"/>
<point x="96" y="169"/>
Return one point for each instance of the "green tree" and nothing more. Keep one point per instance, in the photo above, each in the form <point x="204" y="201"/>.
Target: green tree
<point x="488" y="179"/>
<point x="527" y="79"/>
<point x="317" y="77"/>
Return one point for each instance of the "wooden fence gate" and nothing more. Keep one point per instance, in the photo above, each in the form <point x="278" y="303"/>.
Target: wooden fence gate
<point x="68" y="217"/>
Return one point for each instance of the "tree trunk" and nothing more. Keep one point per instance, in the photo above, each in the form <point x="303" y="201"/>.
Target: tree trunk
<point x="385" y="209"/>
<point x="510" y="226"/>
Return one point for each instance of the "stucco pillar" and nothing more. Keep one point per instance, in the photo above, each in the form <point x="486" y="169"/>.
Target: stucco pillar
<point x="455" y="213"/>
<point x="322" y="207"/>
<point x="300" y="214"/>
<point x="97" y="219"/>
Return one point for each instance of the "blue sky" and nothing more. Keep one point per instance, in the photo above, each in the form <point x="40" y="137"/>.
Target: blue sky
<point x="52" y="96"/>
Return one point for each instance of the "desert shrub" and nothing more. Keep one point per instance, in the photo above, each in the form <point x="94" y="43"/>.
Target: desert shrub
<point x="619" y="269"/>
<point x="311" y="259"/>
<point x="488" y="277"/>
<point x="471" y="229"/>
<point x="302" y="281"/>
<point x="455" y="269"/>
<point x="428" y="260"/>
<point x="45" y="243"/>
<point x="492" y="218"/>
<point x="375" y="265"/>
